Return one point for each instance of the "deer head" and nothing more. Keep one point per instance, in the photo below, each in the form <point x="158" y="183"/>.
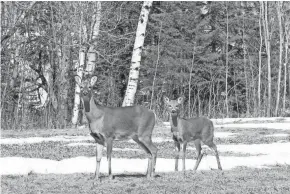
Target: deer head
<point x="86" y="85"/>
<point x="173" y="105"/>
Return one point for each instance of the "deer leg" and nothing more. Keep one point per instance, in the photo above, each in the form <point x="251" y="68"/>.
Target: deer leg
<point x="98" y="157"/>
<point x="109" y="155"/>
<point x="177" y="147"/>
<point x="147" y="151"/>
<point x="183" y="152"/>
<point x="199" y="154"/>
<point x="214" y="148"/>
<point x="147" y="141"/>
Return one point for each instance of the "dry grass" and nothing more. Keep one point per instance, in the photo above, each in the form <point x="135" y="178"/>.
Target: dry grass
<point x="239" y="180"/>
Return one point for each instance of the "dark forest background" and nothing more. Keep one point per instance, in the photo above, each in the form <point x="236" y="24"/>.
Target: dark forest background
<point x="228" y="59"/>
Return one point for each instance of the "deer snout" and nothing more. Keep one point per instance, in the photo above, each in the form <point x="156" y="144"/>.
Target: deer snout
<point x="85" y="93"/>
<point x="173" y="111"/>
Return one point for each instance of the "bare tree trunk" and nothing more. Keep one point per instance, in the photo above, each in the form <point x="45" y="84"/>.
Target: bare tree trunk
<point x="245" y="70"/>
<point x="209" y="100"/>
<point x="253" y="87"/>
<point x="199" y="103"/>
<point x="279" y="7"/>
<point x="269" y="60"/>
<point x="268" y="49"/>
<point x="136" y="56"/>
<point x="156" y="65"/>
<point x="227" y="63"/>
<point x="214" y="101"/>
<point x="236" y="95"/>
<point x="189" y="84"/>
<point x="64" y="83"/>
<point x="260" y="58"/>
<point x="287" y="37"/>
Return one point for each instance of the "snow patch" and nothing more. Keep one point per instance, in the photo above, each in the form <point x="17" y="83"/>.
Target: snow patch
<point x="31" y="140"/>
<point x="236" y="120"/>
<point x="282" y="126"/>
<point x="78" y="139"/>
<point x="243" y="120"/>
<point x="273" y="154"/>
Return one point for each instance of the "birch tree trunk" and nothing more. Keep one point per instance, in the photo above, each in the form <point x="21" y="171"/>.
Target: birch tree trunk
<point x="156" y="65"/>
<point x="91" y="58"/>
<point x="92" y="54"/>
<point x="80" y="69"/>
<point x="279" y="7"/>
<point x="136" y="56"/>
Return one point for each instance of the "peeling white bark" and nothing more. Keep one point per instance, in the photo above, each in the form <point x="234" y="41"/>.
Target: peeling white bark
<point x="136" y="55"/>
<point x="92" y="53"/>
<point x="80" y="69"/>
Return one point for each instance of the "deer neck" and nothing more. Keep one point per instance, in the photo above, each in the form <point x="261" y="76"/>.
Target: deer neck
<point x="93" y="111"/>
<point x="174" y="121"/>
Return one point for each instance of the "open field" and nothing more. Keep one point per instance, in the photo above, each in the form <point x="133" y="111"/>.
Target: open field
<point x="239" y="180"/>
<point x="255" y="160"/>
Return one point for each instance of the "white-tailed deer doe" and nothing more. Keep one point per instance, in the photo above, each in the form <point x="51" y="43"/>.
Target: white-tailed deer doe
<point x="193" y="129"/>
<point x="109" y="123"/>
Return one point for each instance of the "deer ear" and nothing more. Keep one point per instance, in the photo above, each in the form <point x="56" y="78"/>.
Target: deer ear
<point x="166" y="99"/>
<point x="180" y="100"/>
<point x="93" y="80"/>
<point x="78" y="80"/>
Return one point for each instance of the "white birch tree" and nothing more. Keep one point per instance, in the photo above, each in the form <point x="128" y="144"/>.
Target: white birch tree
<point x="136" y="55"/>
<point x="91" y="56"/>
<point x="77" y="99"/>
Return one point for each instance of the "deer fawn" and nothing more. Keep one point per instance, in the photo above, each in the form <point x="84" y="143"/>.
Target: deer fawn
<point x="109" y="123"/>
<point x="193" y="129"/>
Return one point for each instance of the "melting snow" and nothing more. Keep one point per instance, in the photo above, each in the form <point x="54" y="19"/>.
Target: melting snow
<point x="282" y="126"/>
<point x="235" y="120"/>
<point x="276" y="153"/>
<point x="78" y="139"/>
<point x="30" y="140"/>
